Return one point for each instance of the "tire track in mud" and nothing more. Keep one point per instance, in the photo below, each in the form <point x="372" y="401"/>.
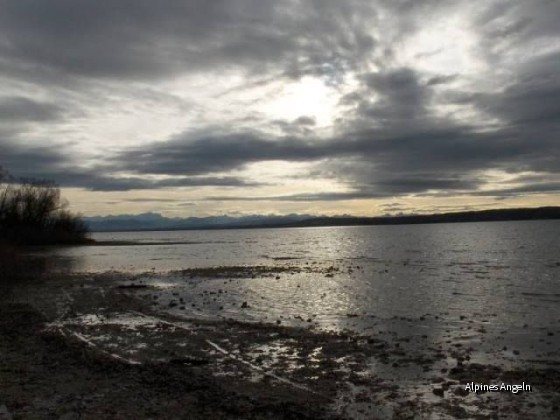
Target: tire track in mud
<point x="81" y="338"/>
<point x="59" y="326"/>
<point x="239" y="359"/>
<point x="62" y="328"/>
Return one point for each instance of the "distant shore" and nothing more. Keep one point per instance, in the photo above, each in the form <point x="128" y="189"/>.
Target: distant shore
<point x="107" y="224"/>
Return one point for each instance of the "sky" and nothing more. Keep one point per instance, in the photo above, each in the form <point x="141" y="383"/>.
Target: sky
<point x="362" y="107"/>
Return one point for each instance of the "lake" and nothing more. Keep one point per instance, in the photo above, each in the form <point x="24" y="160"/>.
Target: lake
<point x="507" y="272"/>
<point x="410" y="304"/>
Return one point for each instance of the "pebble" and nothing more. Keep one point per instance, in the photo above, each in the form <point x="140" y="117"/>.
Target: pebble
<point x="460" y="391"/>
<point x="438" y="391"/>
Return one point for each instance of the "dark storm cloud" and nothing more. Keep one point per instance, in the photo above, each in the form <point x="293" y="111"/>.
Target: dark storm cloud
<point x="53" y="165"/>
<point x="205" y="153"/>
<point x="510" y="32"/>
<point x="402" y="96"/>
<point x="388" y="188"/>
<point x="534" y="99"/>
<point x="28" y="161"/>
<point x="297" y="197"/>
<point x="407" y="150"/>
<point x="93" y="181"/>
<point x="374" y="163"/>
<point x="301" y="126"/>
<point x="20" y="109"/>
<point x="441" y="80"/>
<point x="146" y="39"/>
<point x="106" y="183"/>
<point x="108" y="39"/>
<point x="389" y="141"/>
<point x="305" y="120"/>
<point x="510" y="25"/>
<point x="537" y="188"/>
<point x="404" y="149"/>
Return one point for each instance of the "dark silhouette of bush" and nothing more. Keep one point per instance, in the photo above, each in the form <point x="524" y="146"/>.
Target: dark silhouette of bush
<point x="33" y="213"/>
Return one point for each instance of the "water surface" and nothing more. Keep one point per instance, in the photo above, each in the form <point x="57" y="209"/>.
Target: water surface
<point x="491" y="277"/>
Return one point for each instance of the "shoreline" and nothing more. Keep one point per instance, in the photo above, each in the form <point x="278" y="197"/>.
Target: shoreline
<point x="261" y="365"/>
<point x="48" y="375"/>
<point x="495" y="215"/>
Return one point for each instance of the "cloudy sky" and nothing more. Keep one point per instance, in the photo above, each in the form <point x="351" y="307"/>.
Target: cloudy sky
<point x="366" y="107"/>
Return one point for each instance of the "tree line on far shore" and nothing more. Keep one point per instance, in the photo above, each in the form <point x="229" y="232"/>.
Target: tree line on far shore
<point x="32" y="212"/>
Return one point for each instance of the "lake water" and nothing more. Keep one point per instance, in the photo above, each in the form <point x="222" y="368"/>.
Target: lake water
<point x="484" y="292"/>
<point x="508" y="272"/>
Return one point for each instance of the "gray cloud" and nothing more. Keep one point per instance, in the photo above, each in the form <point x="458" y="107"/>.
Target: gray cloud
<point x="106" y="183"/>
<point x="393" y="136"/>
<point x="506" y="26"/>
<point x="536" y="188"/>
<point x="441" y="79"/>
<point x="144" y="39"/>
<point x="534" y="99"/>
<point x="20" y="109"/>
<point x="54" y="165"/>
<point x="208" y="152"/>
<point x="28" y="161"/>
<point x="402" y="97"/>
<point x="301" y="126"/>
<point x="149" y="200"/>
<point x="298" y="197"/>
<point x="305" y="120"/>
<point x="376" y="163"/>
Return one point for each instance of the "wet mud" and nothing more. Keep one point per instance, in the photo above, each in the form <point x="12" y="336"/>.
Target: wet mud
<point x="206" y="342"/>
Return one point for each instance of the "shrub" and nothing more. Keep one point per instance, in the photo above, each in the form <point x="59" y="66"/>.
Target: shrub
<point x="33" y="213"/>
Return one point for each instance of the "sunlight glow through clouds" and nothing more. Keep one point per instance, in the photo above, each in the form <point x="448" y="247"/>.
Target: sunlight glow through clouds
<point x="309" y="96"/>
<point x="344" y="105"/>
<point x="445" y="46"/>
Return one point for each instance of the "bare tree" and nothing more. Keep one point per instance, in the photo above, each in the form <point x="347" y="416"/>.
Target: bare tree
<point x="32" y="211"/>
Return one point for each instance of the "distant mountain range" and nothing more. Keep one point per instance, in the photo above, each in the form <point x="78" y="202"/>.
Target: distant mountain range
<point x="155" y="221"/>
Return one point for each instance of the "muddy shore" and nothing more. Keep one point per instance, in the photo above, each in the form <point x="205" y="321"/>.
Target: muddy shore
<point x="116" y="345"/>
